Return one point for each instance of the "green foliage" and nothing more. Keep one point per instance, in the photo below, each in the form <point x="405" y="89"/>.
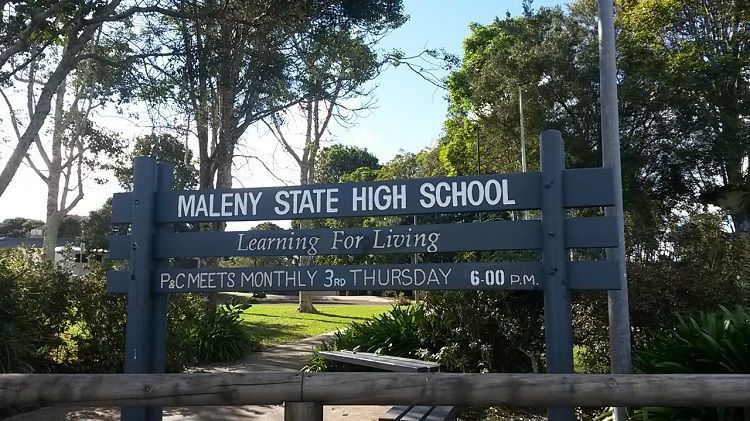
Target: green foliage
<point x="51" y="320"/>
<point x="97" y="227"/>
<point x="695" y="265"/>
<point x="34" y="311"/>
<point x="223" y="338"/>
<point x="19" y="227"/>
<point x="446" y="328"/>
<point x="484" y="331"/>
<point x="166" y="148"/>
<point x="333" y="162"/>
<point x="98" y="338"/>
<point x="717" y="342"/>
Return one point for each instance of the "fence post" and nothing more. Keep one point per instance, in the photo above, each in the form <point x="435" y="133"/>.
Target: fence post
<point x="303" y="411"/>
<point x="558" y="325"/>
<point x="140" y="315"/>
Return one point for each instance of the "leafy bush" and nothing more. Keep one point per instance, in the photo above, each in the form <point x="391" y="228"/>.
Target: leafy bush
<point x="224" y="338"/>
<point x="35" y="311"/>
<point x="699" y="266"/>
<point x="51" y="320"/>
<point x="99" y="332"/>
<point x="716" y="342"/>
<point x="484" y="331"/>
<point x="465" y="331"/>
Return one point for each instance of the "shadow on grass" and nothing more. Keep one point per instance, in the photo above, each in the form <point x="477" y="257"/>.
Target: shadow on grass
<point x="315" y="319"/>
<point x="277" y="333"/>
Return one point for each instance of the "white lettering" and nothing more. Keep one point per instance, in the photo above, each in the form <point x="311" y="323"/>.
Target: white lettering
<point x="185" y="206"/>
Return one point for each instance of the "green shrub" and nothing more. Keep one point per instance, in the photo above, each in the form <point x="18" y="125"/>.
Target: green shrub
<point x="484" y="331"/>
<point x="51" y="320"/>
<point x="699" y="266"/>
<point x="98" y="335"/>
<point x="191" y="338"/>
<point x="223" y="338"/>
<point x="35" y="311"/>
<point x="716" y="342"/>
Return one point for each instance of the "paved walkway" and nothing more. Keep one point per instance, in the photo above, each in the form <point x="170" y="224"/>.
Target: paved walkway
<point x="287" y="357"/>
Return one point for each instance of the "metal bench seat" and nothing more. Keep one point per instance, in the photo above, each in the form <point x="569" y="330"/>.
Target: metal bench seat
<point x="397" y="364"/>
<point x="382" y="362"/>
<point x="419" y="413"/>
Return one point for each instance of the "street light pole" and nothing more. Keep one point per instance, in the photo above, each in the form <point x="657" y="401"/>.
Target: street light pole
<point x="479" y="162"/>
<point x="523" y="139"/>
<point x="619" y="313"/>
<point x="523" y="131"/>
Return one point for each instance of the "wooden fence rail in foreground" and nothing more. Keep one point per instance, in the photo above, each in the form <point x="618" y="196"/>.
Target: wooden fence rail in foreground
<point x="263" y="388"/>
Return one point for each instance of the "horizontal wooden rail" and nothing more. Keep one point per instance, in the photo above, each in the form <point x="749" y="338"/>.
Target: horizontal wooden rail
<point x="263" y="388"/>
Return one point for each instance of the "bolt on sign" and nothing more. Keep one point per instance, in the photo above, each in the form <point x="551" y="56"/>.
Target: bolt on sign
<point x="153" y="207"/>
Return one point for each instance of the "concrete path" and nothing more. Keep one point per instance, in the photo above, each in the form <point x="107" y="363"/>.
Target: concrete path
<point x="286" y="357"/>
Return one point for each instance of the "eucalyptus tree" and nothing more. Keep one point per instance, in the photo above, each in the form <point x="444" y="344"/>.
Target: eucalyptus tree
<point x="334" y="64"/>
<point x="237" y="62"/>
<point x="58" y="32"/>
<point x="256" y="58"/>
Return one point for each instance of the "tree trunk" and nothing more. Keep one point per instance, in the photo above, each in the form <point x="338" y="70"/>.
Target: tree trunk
<point x="51" y="228"/>
<point x="54" y="215"/>
<point x="306" y="302"/>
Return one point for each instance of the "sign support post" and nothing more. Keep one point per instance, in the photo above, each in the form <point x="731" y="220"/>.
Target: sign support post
<point x="145" y="329"/>
<point x="558" y="322"/>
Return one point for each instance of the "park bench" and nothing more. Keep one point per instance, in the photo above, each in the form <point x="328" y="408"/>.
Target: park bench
<point x="398" y="364"/>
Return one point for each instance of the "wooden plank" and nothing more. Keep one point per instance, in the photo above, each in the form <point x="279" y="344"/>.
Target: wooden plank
<point x="434" y="238"/>
<point x="587" y="187"/>
<point x="416" y="413"/>
<point x="454" y="276"/>
<point x="272" y="388"/>
<point x="537" y="390"/>
<point x="442" y="413"/>
<point x="596" y="232"/>
<point x="582" y="188"/>
<point x="303" y="411"/>
<point x="206" y="389"/>
<point x="395" y="413"/>
<point x="428" y="366"/>
<point x="122" y="208"/>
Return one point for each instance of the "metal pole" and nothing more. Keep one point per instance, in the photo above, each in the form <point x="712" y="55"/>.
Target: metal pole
<point x="523" y="140"/>
<point x="415" y="260"/>
<point x="479" y="162"/>
<point x="523" y="131"/>
<point x="619" y="313"/>
<point x="558" y="320"/>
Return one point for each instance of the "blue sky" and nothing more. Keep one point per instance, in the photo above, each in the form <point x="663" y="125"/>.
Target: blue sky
<point x="410" y="111"/>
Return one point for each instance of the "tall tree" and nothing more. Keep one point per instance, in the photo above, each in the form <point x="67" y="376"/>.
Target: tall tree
<point x="74" y="148"/>
<point x="166" y="148"/>
<point x="694" y="55"/>
<point x="30" y="31"/>
<point x="336" y="65"/>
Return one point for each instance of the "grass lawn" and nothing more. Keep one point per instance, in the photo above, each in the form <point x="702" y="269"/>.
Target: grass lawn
<point x="281" y="323"/>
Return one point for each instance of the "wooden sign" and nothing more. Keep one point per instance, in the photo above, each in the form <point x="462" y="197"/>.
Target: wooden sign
<point x="153" y="206"/>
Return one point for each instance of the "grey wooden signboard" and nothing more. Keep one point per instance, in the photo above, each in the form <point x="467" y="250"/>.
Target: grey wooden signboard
<point x="153" y="207"/>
